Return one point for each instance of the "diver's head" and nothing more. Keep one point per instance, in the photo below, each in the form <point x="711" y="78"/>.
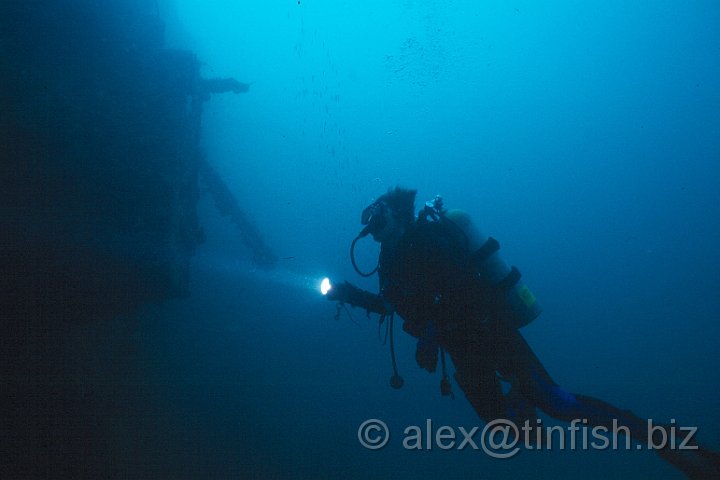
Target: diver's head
<point x="387" y="218"/>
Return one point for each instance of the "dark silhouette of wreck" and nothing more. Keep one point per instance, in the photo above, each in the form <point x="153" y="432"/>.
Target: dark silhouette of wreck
<point x="100" y="160"/>
<point x="100" y="168"/>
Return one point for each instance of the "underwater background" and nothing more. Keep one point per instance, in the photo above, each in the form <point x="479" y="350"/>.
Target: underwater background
<point x="585" y="136"/>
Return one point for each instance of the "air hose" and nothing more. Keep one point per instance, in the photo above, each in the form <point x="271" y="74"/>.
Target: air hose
<point x="352" y="257"/>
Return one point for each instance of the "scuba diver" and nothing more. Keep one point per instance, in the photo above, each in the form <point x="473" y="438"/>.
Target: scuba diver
<point x="458" y="297"/>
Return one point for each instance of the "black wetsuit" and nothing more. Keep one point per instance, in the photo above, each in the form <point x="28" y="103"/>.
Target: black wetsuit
<point x="428" y="280"/>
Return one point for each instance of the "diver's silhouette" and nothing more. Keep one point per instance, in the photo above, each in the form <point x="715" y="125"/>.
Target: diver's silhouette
<point x="456" y="295"/>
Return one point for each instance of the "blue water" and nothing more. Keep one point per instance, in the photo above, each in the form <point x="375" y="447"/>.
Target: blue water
<point x="585" y="136"/>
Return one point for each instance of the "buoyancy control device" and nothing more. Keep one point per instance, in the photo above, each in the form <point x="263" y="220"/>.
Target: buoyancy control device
<point x="516" y="303"/>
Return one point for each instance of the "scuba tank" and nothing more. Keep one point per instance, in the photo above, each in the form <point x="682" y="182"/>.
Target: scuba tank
<point x="516" y="303"/>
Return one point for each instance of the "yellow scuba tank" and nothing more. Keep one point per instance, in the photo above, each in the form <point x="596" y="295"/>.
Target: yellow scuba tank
<point x="517" y="305"/>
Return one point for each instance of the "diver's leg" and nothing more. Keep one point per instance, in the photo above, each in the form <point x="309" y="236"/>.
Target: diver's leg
<point x="538" y="386"/>
<point x="697" y="464"/>
<point x="476" y="356"/>
<point x="531" y="378"/>
<point x="475" y="364"/>
<point x="482" y="389"/>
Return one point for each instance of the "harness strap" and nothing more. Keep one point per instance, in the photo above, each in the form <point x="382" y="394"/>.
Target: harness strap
<point x="510" y="280"/>
<point x="483" y="253"/>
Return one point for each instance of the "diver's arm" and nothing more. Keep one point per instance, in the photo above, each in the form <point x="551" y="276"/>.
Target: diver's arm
<point x="357" y="297"/>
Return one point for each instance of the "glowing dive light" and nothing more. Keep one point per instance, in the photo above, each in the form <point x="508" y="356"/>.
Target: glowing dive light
<point x="325" y="286"/>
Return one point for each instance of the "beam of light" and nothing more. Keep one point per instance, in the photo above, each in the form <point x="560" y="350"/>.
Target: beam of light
<point x="241" y="269"/>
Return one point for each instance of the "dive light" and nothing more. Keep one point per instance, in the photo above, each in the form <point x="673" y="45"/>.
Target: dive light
<point x="325" y="286"/>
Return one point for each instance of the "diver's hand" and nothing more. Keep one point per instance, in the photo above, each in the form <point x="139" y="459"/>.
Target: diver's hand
<point x="347" y="293"/>
<point x="339" y="292"/>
